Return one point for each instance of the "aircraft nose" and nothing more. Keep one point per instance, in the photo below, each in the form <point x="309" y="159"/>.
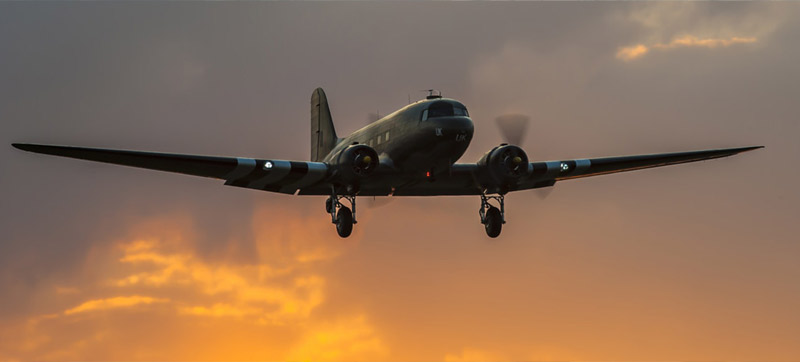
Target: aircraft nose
<point x="457" y="129"/>
<point x="455" y="124"/>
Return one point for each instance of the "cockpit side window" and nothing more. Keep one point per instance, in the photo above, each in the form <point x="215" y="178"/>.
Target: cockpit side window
<point x="461" y="111"/>
<point x="425" y="115"/>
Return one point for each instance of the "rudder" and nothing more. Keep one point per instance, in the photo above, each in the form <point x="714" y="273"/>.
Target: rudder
<point x="323" y="135"/>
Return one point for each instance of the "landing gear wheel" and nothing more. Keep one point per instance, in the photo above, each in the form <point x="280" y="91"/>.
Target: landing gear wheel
<point x="344" y="217"/>
<point x="494" y="222"/>
<point x="491" y="217"/>
<point x="344" y="222"/>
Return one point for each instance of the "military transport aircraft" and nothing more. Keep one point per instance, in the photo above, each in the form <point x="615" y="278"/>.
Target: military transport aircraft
<point x="411" y="152"/>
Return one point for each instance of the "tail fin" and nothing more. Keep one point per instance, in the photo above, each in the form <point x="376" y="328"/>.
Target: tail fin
<point x="323" y="135"/>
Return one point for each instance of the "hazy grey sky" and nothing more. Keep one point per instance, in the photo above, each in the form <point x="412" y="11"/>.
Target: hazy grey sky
<point x="693" y="262"/>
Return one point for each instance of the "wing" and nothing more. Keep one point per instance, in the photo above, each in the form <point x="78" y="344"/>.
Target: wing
<point x="269" y="175"/>
<point x="464" y="179"/>
<point x="552" y="171"/>
<point x="309" y="177"/>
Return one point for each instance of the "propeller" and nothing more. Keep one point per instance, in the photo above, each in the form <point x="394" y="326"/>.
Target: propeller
<point x="513" y="127"/>
<point x="543" y="192"/>
<point x="363" y="162"/>
<point x="513" y="161"/>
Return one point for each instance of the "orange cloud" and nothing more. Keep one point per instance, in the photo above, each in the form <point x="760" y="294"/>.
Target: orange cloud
<point x="250" y="290"/>
<point x="639" y="50"/>
<point x="113" y="303"/>
<point x="472" y="355"/>
<point x="693" y="41"/>
<point x="155" y="281"/>
<point x="632" y="52"/>
<point x="280" y="243"/>
<point x="221" y="310"/>
<point x="346" y="340"/>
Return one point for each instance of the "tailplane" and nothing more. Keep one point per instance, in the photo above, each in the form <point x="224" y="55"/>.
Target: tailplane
<point x="323" y="135"/>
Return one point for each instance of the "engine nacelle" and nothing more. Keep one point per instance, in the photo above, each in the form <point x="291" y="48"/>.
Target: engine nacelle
<point x="506" y="164"/>
<point x="355" y="162"/>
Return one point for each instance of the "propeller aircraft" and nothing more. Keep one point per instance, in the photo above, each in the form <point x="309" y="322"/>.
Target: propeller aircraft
<point x="410" y="152"/>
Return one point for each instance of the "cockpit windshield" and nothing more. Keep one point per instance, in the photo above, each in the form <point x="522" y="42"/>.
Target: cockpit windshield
<point x="443" y="109"/>
<point x="440" y="109"/>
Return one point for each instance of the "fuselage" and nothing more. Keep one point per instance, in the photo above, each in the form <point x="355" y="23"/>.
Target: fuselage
<point x="419" y="140"/>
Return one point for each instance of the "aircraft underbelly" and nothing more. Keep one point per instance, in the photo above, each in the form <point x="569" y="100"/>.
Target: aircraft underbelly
<point x="434" y="152"/>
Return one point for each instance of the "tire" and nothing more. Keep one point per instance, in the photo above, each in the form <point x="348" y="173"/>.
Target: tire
<point x="494" y="222"/>
<point x="344" y="222"/>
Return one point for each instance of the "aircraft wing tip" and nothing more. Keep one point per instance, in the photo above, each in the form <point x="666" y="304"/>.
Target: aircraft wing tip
<point x="31" y="147"/>
<point x="21" y="146"/>
<point x="751" y="148"/>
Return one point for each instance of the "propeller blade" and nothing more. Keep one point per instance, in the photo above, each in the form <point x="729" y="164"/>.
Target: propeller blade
<point x="513" y="127"/>
<point x="543" y="192"/>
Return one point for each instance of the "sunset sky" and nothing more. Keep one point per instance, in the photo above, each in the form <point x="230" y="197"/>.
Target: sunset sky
<point x="694" y="262"/>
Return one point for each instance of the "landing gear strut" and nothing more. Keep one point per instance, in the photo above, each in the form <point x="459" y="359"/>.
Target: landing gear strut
<point x="341" y="215"/>
<point x="492" y="217"/>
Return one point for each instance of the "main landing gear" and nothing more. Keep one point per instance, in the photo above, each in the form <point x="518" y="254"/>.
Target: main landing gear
<point x="341" y="215"/>
<point x="492" y="217"/>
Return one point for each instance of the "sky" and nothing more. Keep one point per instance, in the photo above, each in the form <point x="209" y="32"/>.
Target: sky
<point x="692" y="262"/>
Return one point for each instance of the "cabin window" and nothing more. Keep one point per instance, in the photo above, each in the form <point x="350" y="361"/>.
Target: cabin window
<point x="379" y="139"/>
<point x="387" y="135"/>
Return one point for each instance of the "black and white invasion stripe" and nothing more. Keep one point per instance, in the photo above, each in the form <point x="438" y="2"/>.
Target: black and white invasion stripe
<point x="276" y="175"/>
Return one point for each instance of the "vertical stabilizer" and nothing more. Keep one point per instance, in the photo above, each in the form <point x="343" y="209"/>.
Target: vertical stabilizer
<point x="323" y="135"/>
